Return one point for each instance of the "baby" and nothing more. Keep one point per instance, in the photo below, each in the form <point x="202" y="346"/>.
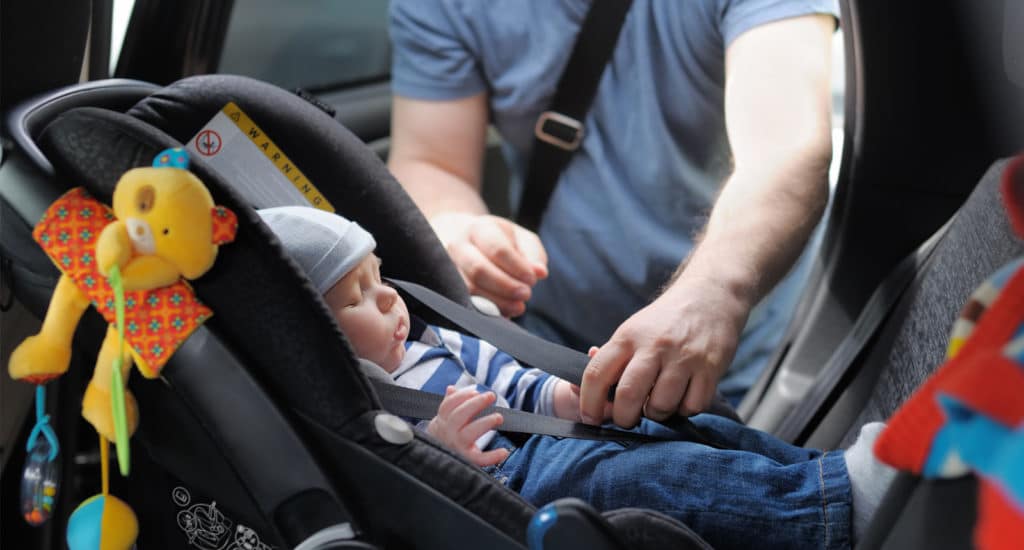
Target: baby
<point x="337" y="256"/>
<point x="785" y="496"/>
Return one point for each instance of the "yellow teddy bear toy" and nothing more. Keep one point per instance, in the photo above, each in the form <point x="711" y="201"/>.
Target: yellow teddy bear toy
<point x="131" y="263"/>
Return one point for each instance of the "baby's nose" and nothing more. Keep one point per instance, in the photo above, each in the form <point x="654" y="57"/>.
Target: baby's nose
<point x="386" y="298"/>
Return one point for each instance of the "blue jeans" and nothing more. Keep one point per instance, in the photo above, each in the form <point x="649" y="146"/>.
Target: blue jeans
<point x="768" y="495"/>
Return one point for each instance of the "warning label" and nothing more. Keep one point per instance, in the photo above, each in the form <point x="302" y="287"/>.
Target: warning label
<point x="208" y="143"/>
<point x="259" y="170"/>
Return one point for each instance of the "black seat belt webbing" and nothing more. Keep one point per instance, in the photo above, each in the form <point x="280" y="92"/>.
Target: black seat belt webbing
<point x="797" y="425"/>
<point x="505" y="335"/>
<point x="559" y="130"/>
<point x="423" y="405"/>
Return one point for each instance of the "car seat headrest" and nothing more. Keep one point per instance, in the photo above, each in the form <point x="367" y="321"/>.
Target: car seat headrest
<point x="263" y="307"/>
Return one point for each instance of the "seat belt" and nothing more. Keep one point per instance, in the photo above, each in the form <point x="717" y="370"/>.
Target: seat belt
<point x="559" y="131"/>
<point x="798" y="424"/>
<point x="423" y="405"/>
<point x="528" y="349"/>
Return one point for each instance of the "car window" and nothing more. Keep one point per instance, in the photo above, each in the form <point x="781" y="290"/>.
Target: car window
<point x="310" y="44"/>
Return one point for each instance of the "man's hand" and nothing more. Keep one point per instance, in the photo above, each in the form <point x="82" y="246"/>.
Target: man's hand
<point x="666" y="358"/>
<point x="458" y="428"/>
<point x="499" y="260"/>
<point x="567" y="401"/>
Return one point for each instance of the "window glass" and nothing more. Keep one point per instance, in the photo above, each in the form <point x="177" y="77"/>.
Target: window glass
<point x="122" y="11"/>
<point x="309" y="44"/>
<point x="838" y="104"/>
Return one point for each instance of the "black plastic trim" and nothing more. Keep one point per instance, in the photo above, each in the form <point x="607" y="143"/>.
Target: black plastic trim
<point x="25" y="121"/>
<point x="256" y="438"/>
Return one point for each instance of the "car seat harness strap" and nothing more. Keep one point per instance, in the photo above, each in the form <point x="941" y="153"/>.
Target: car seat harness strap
<point x="423" y="405"/>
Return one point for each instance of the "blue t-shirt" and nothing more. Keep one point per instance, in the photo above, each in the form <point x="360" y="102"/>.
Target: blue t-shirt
<point x="655" y="152"/>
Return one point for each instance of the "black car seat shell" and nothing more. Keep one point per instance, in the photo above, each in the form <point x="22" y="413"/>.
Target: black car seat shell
<point x="272" y="352"/>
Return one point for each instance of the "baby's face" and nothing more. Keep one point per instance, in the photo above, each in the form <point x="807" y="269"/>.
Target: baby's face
<point x="371" y="314"/>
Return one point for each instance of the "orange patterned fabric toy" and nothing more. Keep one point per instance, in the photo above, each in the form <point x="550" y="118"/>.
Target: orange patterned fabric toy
<point x="157" y="320"/>
<point x="163" y="228"/>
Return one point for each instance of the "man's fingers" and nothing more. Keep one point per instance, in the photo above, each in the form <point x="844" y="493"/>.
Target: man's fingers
<point x="486" y="279"/>
<point x="603" y="370"/>
<point x="698" y="396"/>
<point x="507" y="308"/>
<point x="530" y="246"/>
<point x="633" y="388"/>
<point x="668" y="391"/>
<point x="498" y="243"/>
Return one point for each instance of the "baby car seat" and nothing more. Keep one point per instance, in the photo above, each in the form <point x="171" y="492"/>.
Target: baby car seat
<point x="263" y="432"/>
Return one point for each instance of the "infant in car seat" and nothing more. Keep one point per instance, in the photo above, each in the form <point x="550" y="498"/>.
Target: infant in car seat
<point x="757" y="486"/>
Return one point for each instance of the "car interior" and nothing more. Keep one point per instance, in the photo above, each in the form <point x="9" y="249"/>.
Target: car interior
<point x="933" y="108"/>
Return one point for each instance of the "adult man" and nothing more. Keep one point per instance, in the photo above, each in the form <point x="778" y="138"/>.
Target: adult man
<point x="696" y="94"/>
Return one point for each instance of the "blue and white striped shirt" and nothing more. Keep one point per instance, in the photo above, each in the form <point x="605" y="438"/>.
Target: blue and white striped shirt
<point x="436" y="358"/>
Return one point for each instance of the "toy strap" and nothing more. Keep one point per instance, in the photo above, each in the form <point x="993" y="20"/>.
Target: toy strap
<point x="117" y="398"/>
<point x="42" y="425"/>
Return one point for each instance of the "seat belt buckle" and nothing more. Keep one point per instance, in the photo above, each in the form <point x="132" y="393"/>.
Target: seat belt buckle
<point x="559" y="130"/>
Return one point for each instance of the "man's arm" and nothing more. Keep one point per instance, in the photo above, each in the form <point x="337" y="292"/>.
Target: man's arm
<point x="437" y="150"/>
<point x="669" y="356"/>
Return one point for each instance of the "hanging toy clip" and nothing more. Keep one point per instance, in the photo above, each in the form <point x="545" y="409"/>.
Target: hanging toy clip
<point x="40" y="478"/>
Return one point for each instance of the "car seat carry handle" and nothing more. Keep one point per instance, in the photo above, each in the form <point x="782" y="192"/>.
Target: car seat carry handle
<point x="528" y="349"/>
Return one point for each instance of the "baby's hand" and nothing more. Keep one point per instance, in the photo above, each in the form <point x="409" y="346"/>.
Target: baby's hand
<point x="458" y="428"/>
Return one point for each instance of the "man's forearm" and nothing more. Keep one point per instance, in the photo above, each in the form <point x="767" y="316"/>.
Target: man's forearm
<point x="436" y="190"/>
<point x="777" y="118"/>
<point x="758" y="227"/>
<point x="437" y="150"/>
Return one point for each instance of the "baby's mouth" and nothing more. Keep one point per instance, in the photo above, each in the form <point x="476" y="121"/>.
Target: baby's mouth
<point x="401" y="330"/>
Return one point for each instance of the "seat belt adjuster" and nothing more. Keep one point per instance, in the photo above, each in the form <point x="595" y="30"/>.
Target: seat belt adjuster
<point x="559" y="130"/>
